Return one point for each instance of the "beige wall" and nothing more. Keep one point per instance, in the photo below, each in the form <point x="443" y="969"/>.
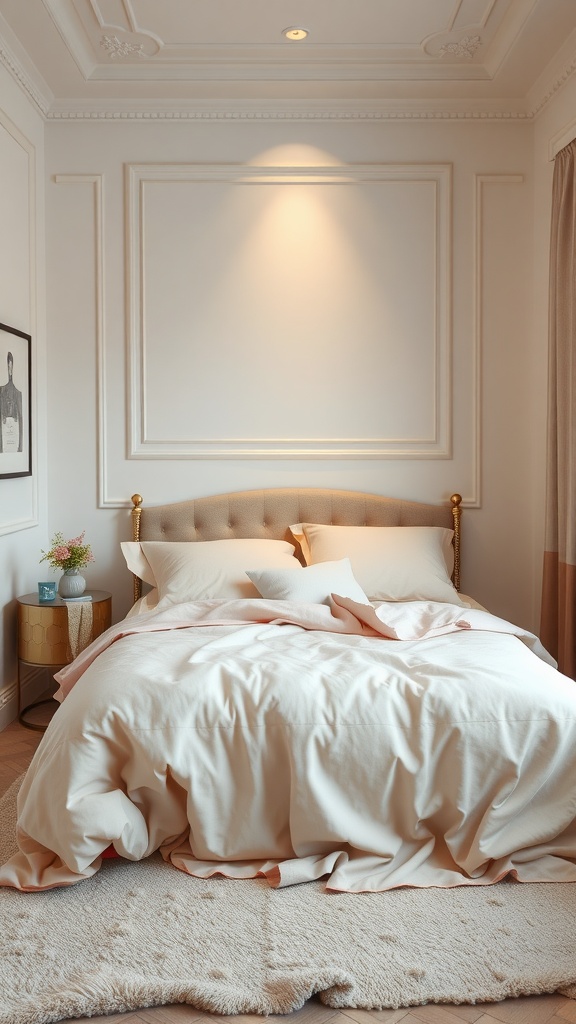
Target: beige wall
<point x="429" y="347"/>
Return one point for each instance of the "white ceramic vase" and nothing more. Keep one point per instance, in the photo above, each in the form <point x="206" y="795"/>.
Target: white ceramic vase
<point x="71" y="583"/>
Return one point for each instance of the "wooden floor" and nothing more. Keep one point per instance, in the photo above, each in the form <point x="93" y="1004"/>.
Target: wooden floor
<point x="17" y="746"/>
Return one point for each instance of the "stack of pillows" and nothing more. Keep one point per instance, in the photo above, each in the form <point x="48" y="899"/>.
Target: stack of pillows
<point x="368" y="564"/>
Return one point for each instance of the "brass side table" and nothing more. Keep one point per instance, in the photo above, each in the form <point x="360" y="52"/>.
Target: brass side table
<point x="43" y="636"/>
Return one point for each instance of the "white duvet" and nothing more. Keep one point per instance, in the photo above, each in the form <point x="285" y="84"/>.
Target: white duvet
<point x="415" y="744"/>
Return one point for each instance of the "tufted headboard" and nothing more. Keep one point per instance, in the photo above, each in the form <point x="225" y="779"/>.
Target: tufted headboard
<point x="270" y="513"/>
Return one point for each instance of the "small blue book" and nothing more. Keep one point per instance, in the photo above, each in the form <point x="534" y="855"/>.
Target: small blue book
<point x="83" y="597"/>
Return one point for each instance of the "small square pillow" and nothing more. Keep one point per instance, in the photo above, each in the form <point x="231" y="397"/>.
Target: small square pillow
<point x="311" y="585"/>
<point x="391" y="563"/>
<point x="203" y="570"/>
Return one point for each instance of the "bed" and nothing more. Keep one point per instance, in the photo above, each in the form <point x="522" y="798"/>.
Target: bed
<point x="302" y="692"/>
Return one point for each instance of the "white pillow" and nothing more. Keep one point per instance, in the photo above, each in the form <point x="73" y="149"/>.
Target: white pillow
<point x="202" y="570"/>
<point x="391" y="563"/>
<point x="311" y="585"/>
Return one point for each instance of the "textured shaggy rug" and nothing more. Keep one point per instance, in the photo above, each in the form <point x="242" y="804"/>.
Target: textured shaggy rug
<point x="144" y="934"/>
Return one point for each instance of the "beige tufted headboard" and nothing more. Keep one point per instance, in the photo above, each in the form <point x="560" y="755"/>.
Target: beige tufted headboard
<point x="270" y="513"/>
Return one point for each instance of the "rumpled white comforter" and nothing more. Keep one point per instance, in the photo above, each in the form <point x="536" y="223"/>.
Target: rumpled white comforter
<point x="417" y="744"/>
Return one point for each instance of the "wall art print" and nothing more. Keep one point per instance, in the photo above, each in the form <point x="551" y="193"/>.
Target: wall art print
<point x="15" y="402"/>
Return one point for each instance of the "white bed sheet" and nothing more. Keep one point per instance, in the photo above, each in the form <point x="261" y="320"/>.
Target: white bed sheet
<point x="298" y="749"/>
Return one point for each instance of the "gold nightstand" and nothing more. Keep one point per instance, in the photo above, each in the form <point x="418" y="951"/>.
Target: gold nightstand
<point x="43" y="635"/>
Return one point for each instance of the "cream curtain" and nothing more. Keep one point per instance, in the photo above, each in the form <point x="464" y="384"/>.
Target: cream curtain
<point x="558" y="617"/>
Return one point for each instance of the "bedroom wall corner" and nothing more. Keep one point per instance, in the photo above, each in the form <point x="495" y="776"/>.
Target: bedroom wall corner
<point x="23" y="500"/>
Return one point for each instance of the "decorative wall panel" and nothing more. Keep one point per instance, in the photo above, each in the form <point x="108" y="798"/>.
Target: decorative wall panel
<point x="289" y="312"/>
<point x="96" y="183"/>
<point x="19" y="504"/>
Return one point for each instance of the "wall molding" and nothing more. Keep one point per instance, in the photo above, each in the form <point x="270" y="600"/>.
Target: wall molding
<point x="96" y="181"/>
<point x="481" y="182"/>
<point x="438" y="445"/>
<point x="29" y="520"/>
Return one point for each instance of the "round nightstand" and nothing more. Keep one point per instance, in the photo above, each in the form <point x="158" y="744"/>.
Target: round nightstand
<point x="43" y="638"/>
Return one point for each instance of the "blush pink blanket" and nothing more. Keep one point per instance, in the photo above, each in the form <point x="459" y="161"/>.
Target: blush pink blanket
<point x="374" y="747"/>
<point x="411" y="620"/>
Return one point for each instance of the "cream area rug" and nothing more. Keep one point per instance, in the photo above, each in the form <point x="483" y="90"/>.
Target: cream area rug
<point x="138" y="935"/>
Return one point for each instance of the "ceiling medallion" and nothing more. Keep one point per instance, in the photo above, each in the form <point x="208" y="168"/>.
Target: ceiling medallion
<point x="465" y="48"/>
<point x="116" y="47"/>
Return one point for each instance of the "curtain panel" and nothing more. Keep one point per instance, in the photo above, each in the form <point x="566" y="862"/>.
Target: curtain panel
<point x="558" y="616"/>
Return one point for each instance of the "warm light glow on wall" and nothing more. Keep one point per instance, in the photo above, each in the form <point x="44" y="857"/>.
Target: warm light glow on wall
<point x="304" y="262"/>
<point x="295" y="154"/>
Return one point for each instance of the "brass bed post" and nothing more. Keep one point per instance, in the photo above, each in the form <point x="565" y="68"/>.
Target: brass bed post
<point x="136" y="514"/>
<point x="456" y="500"/>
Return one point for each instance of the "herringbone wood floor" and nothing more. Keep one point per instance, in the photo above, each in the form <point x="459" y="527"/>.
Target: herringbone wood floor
<point x="17" y="746"/>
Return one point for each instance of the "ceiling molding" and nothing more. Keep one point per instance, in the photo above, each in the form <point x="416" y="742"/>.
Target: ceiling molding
<point x="108" y="44"/>
<point x="321" y="66"/>
<point x="12" y="65"/>
<point x="257" y="112"/>
<point x="525" y="109"/>
<point x="545" y="93"/>
<point x="16" y="61"/>
<point x="563" y="138"/>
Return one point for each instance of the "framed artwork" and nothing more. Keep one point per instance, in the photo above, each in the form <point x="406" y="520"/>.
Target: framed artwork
<point x="15" y="402"/>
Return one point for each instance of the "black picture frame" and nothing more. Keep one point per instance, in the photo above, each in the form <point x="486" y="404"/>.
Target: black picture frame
<point x="15" y="402"/>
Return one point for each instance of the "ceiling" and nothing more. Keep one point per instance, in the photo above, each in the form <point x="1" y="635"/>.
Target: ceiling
<point x="394" y="58"/>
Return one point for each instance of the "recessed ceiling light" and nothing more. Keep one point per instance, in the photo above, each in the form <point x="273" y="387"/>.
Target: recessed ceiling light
<point x="295" y="34"/>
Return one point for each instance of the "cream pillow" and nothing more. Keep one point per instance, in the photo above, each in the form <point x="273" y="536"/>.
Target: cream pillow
<point x="311" y="585"/>
<point x="202" y="570"/>
<point x="137" y="562"/>
<point x="391" y="563"/>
